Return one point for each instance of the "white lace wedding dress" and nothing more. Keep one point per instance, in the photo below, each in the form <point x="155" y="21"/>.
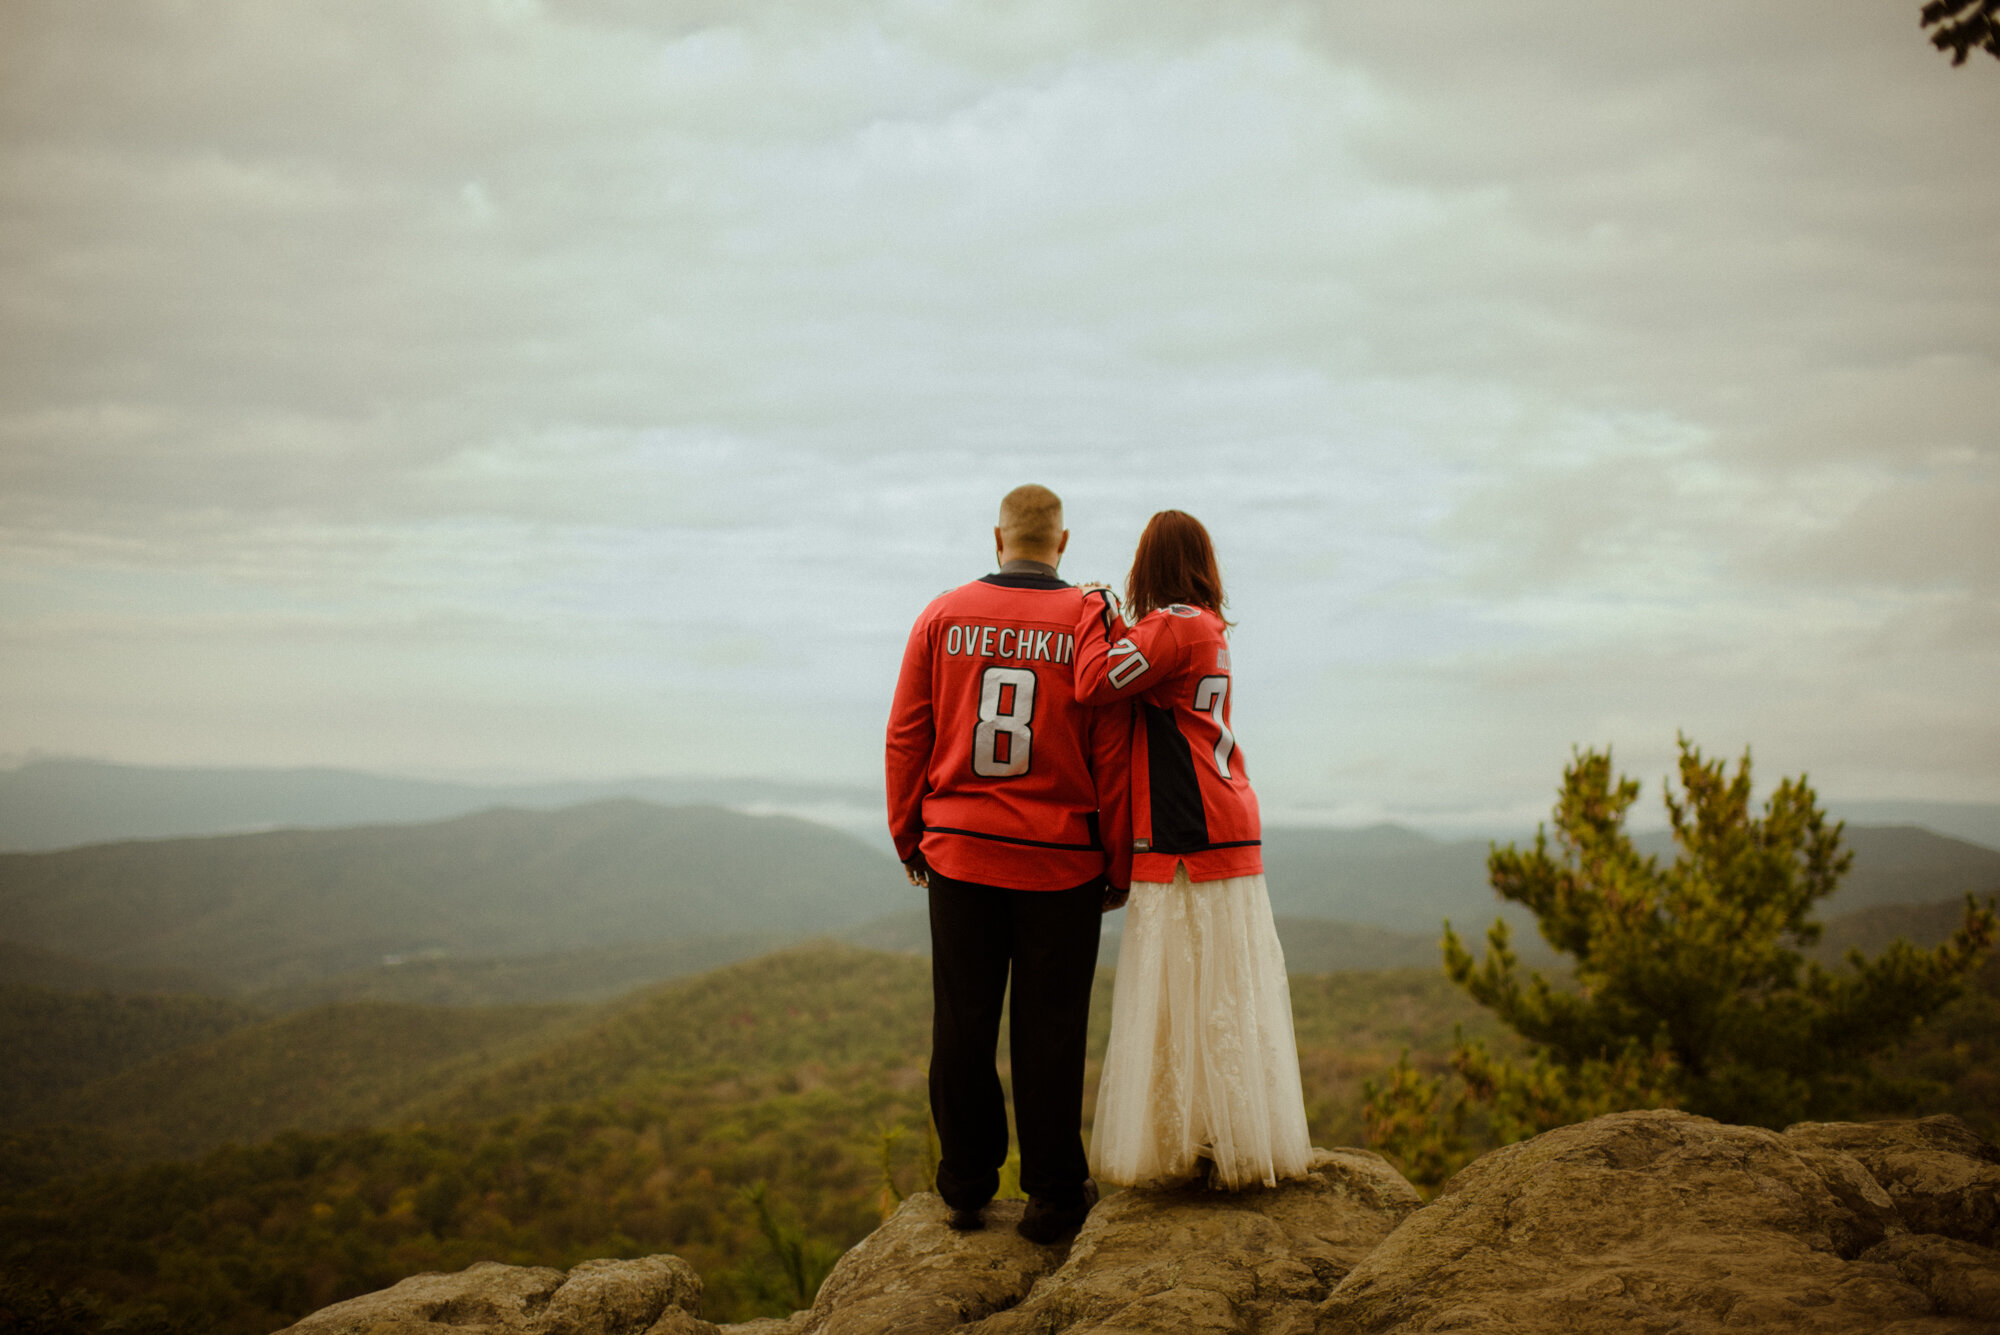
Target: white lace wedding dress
<point x="1201" y="1062"/>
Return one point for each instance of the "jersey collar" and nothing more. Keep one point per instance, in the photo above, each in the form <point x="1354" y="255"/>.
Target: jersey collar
<point x="1024" y="574"/>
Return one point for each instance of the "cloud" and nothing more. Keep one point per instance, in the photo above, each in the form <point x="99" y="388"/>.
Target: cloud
<point x="600" y="386"/>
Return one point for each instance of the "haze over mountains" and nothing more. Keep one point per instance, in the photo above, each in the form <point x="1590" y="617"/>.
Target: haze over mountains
<point x="62" y="803"/>
<point x="510" y="905"/>
<point x="1400" y="879"/>
<point x="263" y="910"/>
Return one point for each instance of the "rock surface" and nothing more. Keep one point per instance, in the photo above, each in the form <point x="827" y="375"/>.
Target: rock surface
<point x="654" y="1294"/>
<point x="1943" y="1179"/>
<point x="1654" y="1221"/>
<point x="1194" y="1261"/>
<point x="1636" y="1222"/>
<point x="914" y="1276"/>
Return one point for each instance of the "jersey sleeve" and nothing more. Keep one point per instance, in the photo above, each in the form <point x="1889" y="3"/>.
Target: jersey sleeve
<point x="1115" y="661"/>
<point x="912" y="733"/>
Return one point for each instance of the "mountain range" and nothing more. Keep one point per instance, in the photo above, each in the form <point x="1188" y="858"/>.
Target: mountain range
<point x="1394" y="877"/>
<point x="61" y="803"/>
<point x="511" y="905"/>
<point x="284" y="907"/>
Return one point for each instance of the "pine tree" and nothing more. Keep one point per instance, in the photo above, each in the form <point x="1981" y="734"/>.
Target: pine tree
<point x="1688" y="985"/>
<point x="1963" y="25"/>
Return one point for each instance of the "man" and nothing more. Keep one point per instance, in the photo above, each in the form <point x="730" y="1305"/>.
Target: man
<point x="1004" y="797"/>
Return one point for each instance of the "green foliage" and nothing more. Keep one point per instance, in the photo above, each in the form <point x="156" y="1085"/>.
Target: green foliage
<point x="596" y="974"/>
<point x="1432" y="1125"/>
<point x="1420" y="1122"/>
<point x="794" y="1265"/>
<point x="54" y="1042"/>
<point x="33" y="1155"/>
<point x="1690" y="986"/>
<point x="1350" y="1025"/>
<point x="1964" y="26"/>
<point x="248" y="1239"/>
<point x="1953" y="1062"/>
<point x="23" y="965"/>
<point x="787" y="1068"/>
<point x="30" y="1307"/>
<point x="799" y="1013"/>
<point x="320" y="1070"/>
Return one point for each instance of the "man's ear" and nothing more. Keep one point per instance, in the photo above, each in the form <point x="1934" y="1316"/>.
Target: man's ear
<point x="1062" y="543"/>
<point x="999" y="543"/>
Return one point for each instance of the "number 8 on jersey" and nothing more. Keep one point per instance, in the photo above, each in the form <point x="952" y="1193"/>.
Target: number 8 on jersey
<point x="1003" y="743"/>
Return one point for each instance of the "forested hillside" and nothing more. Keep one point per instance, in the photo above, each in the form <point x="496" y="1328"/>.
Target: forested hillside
<point x="519" y="906"/>
<point x="347" y="1065"/>
<point x="31" y="966"/>
<point x="549" y="1136"/>
<point x="287" y="907"/>
<point x="54" y="1043"/>
<point x="636" y="1129"/>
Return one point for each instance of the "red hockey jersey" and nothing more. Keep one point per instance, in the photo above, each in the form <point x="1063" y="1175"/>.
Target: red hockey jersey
<point x="1191" y="796"/>
<point x="994" y="769"/>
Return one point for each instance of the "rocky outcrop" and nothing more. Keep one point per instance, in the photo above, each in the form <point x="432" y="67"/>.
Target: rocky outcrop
<point x="914" y="1276"/>
<point x="1649" y="1221"/>
<point x="1636" y="1222"/>
<point x="655" y="1295"/>
<point x="1943" y="1179"/>
<point x="1194" y="1261"/>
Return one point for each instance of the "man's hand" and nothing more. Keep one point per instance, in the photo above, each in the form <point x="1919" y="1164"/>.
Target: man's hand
<point x="1115" y="899"/>
<point x="918" y="871"/>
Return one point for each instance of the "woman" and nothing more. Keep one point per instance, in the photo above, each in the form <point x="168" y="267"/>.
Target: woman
<point x="1202" y="1064"/>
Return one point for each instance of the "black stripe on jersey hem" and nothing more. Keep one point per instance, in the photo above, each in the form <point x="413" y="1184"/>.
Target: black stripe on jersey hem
<point x="1025" y="582"/>
<point x="1200" y="848"/>
<point x="1007" y="839"/>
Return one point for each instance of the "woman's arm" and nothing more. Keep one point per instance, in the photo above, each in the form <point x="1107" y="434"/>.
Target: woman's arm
<point x="1115" y="661"/>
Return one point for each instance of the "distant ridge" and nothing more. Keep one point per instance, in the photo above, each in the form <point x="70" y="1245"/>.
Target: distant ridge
<point x="1974" y="822"/>
<point x="31" y="966"/>
<point x="260" y="911"/>
<point x="64" y="802"/>
<point x="59" y="803"/>
<point x="1402" y="880"/>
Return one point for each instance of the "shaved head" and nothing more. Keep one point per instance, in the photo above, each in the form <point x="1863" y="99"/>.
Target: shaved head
<point x="1031" y="519"/>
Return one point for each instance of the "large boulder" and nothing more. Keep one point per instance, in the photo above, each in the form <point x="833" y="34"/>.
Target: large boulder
<point x="658" y="1294"/>
<point x="914" y="1276"/>
<point x="1656" y="1221"/>
<point x="1194" y="1261"/>
<point x="1942" y="1177"/>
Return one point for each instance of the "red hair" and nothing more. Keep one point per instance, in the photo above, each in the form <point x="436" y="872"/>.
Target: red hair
<point x="1175" y="563"/>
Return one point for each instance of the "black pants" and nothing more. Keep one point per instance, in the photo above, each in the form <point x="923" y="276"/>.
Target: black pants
<point x="1049" y="940"/>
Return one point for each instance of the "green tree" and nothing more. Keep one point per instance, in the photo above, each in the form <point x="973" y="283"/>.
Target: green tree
<point x="801" y="1263"/>
<point x="1688" y="986"/>
<point x="1963" y="25"/>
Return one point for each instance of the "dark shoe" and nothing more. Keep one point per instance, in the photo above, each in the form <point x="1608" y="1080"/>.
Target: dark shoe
<point x="1047" y="1221"/>
<point x="965" y="1221"/>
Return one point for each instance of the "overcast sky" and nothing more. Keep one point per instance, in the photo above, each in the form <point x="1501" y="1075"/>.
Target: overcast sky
<point x="578" y="388"/>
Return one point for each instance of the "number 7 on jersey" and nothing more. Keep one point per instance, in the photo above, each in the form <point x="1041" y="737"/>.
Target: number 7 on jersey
<point x="1209" y="693"/>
